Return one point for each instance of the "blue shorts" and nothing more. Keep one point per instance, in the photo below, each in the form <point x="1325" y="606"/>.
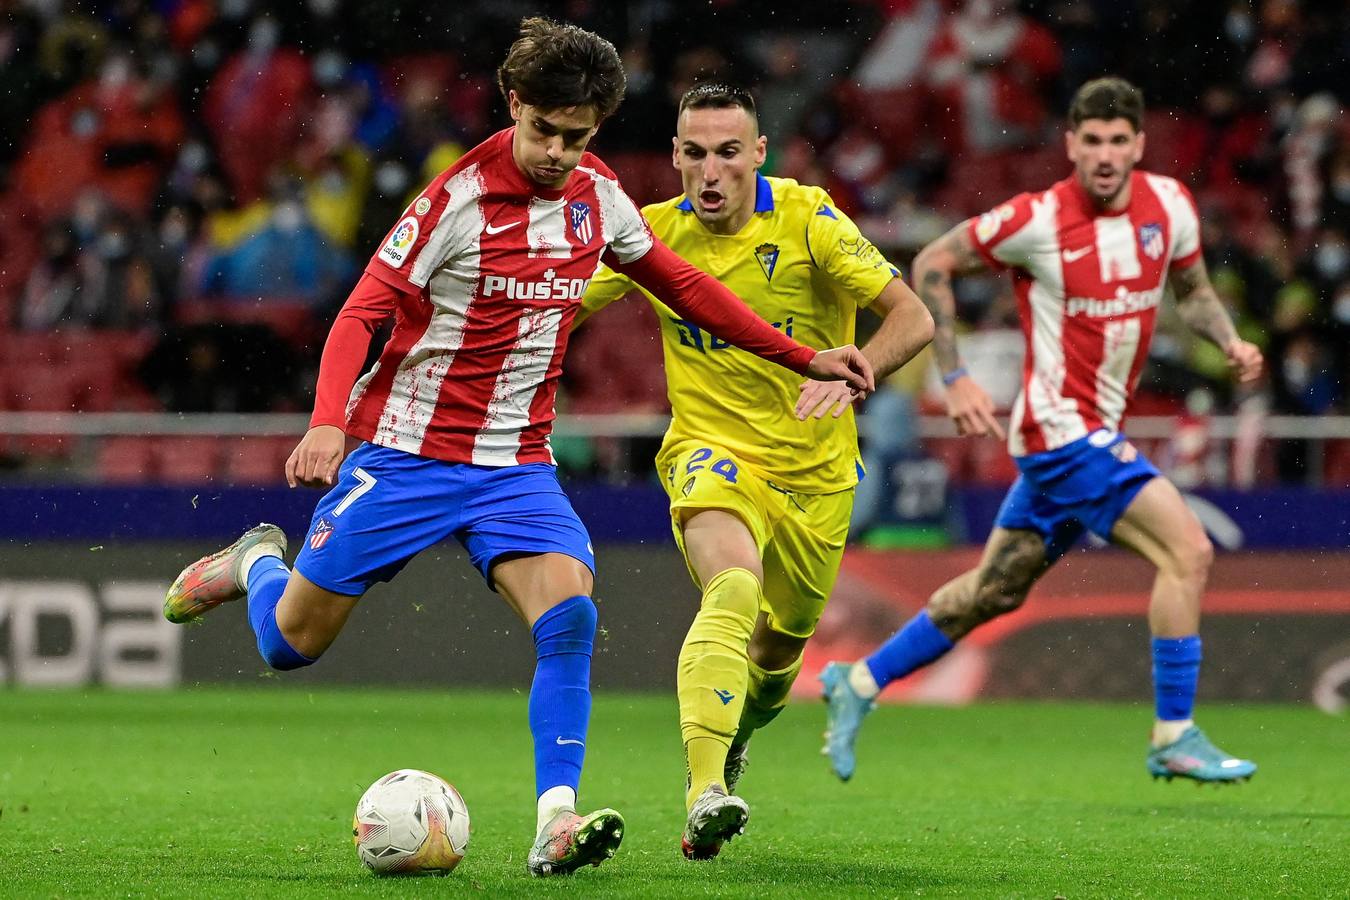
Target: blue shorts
<point x="388" y="506"/>
<point x="1083" y="485"/>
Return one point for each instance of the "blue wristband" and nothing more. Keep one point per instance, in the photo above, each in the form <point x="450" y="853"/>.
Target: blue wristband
<point x="954" y="376"/>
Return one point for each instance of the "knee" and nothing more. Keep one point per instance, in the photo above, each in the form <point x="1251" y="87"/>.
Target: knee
<point x="278" y="652"/>
<point x="283" y="661"/>
<point x="1001" y="590"/>
<point x="572" y="621"/>
<point x="735" y="591"/>
<point x="1193" y="557"/>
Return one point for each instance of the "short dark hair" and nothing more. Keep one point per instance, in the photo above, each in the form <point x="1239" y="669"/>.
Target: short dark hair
<point x="718" y="95"/>
<point x="557" y="66"/>
<point x="1107" y="98"/>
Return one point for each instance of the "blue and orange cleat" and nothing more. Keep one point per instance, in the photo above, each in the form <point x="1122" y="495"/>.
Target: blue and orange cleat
<point x="216" y="579"/>
<point x="715" y="818"/>
<point x="570" y="841"/>
<point x="844" y="713"/>
<point x="1194" y="756"/>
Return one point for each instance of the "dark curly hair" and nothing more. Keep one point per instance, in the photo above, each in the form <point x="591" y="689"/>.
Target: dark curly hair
<point x="1107" y="98"/>
<point x="557" y="66"/>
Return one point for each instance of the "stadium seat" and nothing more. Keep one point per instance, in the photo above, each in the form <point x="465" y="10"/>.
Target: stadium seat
<point x="893" y="115"/>
<point x="951" y="452"/>
<point x="187" y="460"/>
<point x="46" y="388"/>
<point x="1176" y="143"/>
<point x="33" y="349"/>
<point x="990" y="463"/>
<point x="255" y="460"/>
<point x="295" y="320"/>
<point x="646" y="177"/>
<point x="1336" y="465"/>
<point x="126" y="460"/>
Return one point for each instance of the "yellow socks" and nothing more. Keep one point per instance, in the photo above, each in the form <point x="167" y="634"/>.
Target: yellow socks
<point x="765" y="697"/>
<point x="713" y="674"/>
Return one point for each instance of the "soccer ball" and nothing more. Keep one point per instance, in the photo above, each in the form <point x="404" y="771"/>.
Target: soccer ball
<point x="411" y="822"/>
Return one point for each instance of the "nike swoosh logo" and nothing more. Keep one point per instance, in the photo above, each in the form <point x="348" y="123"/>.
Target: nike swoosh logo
<point x="498" y="229"/>
<point x="562" y="742"/>
<point x="1072" y="255"/>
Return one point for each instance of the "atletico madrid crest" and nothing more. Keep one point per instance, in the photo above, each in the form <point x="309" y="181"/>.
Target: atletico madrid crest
<point x="1151" y="239"/>
<point x="581" y="222"/>
<point x="320" y="535"/>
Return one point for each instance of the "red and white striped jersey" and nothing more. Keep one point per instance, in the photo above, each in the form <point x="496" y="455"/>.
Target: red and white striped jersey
<point x="490" y="269"/>
<point x="1088" y="285"/>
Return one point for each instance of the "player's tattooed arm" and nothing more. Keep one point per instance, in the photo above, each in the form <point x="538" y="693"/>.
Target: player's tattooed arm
<point x="968" y="406"/>
<point x="1204" y="313"/>
<point x="1199" y="305"/>
<point x="952" y="254"/>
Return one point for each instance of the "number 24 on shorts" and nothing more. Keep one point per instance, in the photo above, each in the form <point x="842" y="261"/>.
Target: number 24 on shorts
<point x="724" y="466"/>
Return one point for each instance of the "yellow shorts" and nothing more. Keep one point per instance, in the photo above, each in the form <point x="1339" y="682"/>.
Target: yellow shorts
<point x="800" y="536"/>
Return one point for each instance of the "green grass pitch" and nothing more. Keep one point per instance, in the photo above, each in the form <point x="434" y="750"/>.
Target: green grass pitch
<point x="249" y="793"/>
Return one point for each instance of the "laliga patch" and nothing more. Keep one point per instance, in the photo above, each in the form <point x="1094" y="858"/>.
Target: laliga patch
<point x="396" y="250"/>
<point x="421" y="206"/>
<point x="989" y="223"/>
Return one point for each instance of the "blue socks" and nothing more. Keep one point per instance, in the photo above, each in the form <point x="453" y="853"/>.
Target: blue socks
<point x="1176" y="672"/>
<point x="912" y="647"/>
<point x="560" y="697"/>
<point x="266" y="582"/>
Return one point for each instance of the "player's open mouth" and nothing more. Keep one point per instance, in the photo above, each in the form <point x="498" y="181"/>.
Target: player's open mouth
<point x="711" y="200"/>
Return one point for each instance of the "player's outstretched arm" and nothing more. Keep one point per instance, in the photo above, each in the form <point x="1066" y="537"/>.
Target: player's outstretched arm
<point x="708" y="304"/>
<point x="906" y="328"/>
<point x="1204" y="313"/>
<point x="314" y="462"/>
<point x="953" y="254"/>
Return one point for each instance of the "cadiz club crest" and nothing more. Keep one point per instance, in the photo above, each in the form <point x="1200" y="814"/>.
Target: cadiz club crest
<point x="581" y="222"/>
<point x="767" y="255"/>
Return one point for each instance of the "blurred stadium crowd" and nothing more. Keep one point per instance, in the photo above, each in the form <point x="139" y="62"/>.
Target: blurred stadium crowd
<point x="188" y="188"/>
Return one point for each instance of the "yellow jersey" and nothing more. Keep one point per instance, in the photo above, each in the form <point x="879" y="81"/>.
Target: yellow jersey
<point x="804" y="267"/>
